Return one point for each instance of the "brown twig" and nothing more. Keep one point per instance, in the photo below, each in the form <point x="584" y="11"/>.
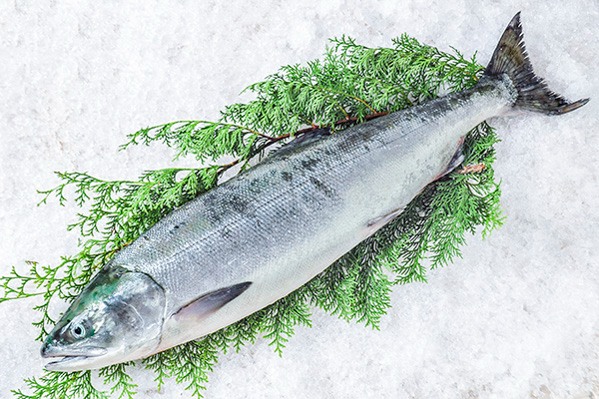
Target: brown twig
<point x="477" y="168"/>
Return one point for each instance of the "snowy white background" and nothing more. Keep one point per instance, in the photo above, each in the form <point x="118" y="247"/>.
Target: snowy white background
<point x="517" y="317"/>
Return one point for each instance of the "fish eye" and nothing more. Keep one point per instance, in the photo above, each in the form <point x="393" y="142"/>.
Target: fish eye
<point x="78" y="330"/>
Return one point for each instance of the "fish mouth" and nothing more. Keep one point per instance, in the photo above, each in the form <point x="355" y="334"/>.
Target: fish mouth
<point x="73" y="360"/>
<point x="66" y="363"/>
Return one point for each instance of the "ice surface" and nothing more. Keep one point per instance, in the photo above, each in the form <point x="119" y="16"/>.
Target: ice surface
<point x="516" y="317"/>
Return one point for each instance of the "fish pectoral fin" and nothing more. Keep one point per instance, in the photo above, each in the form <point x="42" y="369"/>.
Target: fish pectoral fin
<point x="210" y="302"/>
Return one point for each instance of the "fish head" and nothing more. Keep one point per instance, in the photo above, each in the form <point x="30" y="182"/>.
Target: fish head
<point x="118" y="317"/>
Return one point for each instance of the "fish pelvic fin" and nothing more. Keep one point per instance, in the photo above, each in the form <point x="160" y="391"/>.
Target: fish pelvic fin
<point x="510" y="58"/>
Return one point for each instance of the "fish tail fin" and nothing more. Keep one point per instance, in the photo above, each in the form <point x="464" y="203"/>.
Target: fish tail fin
<point x="510" y="58"/>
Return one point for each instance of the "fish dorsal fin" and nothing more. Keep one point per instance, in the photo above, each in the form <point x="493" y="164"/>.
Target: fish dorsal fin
<point x="301" y="141"/>
<point x="210" y="302"/>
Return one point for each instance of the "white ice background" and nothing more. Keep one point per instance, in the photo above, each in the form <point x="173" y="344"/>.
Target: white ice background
<point x="516" y="317"/>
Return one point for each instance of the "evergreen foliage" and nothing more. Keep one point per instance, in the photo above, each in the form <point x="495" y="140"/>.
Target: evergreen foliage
<point x="352" y="83"/>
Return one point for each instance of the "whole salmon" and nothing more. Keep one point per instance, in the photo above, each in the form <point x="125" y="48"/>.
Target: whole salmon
<point x="263" y="234"/>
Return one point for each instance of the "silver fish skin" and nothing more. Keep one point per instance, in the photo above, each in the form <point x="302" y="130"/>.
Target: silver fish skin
<point x="261" y="235"/>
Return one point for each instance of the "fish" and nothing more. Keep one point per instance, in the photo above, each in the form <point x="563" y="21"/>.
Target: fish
<point x="266" y="232"/>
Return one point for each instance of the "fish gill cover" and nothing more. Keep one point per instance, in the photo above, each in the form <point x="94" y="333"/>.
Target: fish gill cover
<point x="350" y="84"/>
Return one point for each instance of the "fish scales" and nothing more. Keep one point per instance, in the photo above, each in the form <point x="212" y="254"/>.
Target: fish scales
<point x="314" y="202"/>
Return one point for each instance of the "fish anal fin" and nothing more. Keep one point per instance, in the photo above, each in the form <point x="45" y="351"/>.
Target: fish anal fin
<point x="377" y="223"/>
<point x="209" y="303"/>
<point x="456" y="160"/>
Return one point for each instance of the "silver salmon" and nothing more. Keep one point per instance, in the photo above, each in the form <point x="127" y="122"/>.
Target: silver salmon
<point x="261" y="235"/>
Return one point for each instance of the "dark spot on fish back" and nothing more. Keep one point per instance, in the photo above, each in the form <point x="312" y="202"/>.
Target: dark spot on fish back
<point x="177" y="226"/>
<point x="238" y="204"/>
<point x="326" y="190"/>
<point x="310" y="163"/>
